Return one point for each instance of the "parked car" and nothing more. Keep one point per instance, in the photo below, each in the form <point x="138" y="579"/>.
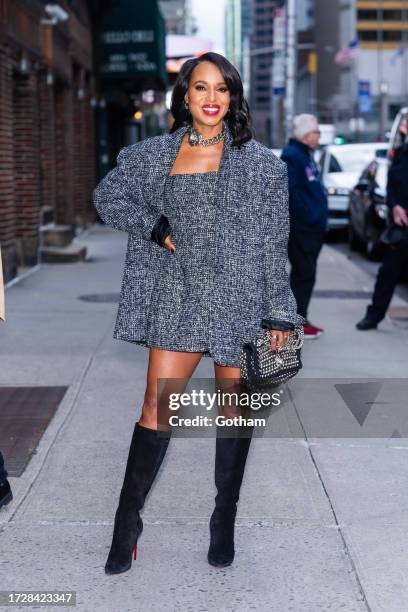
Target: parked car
<point x="341" y="166"/>
<point x="368" y="210"/>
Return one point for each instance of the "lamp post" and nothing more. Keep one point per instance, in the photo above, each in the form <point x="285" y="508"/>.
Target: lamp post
<point x="383" y="108"/>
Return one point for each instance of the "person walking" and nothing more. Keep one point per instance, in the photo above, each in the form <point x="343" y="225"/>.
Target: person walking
<point x="395" y="254"/>
<point x="206" y="209"/>
<point x="308" y="213"/>
<point x="5" y="490"/>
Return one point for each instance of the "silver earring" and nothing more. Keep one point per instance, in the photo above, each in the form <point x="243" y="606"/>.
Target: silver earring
<point x="186" y="105"/>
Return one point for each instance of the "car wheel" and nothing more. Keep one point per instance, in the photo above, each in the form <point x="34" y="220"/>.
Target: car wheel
<point x="353" y="241"/>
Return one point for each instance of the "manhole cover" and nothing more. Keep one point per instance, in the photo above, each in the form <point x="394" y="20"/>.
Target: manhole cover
<point x="105" y="298"/>
<point x="342" y="294"/>
<point x="398" y="313"/>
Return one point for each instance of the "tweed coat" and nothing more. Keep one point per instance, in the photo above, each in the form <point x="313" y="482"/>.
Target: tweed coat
<point x="250" y="281"/>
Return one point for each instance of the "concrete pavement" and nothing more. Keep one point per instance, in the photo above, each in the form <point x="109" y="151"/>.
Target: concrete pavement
<point x="321" y="523"/>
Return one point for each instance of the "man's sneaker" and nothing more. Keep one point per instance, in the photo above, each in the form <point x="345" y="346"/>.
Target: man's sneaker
<point x="5" y="493"/>
<point x="312" y="331"/>
<point x="366" y="323"/>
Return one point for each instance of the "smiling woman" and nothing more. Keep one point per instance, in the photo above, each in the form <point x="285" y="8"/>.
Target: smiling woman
<point x="206" y="208"/>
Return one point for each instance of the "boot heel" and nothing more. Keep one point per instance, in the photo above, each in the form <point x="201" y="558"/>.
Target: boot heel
<point x="134" y="552"/>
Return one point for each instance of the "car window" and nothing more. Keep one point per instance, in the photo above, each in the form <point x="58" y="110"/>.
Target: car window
<point x="382" y="153"/>
<point x="334" y="165"/>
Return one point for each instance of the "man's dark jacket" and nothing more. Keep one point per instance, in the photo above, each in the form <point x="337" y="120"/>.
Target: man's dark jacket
<point x="397" y="184"/>
<point x="307" y="195"/>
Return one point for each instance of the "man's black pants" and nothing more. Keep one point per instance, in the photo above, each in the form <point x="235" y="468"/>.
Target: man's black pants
<point x="394" y="261"/>
<point x="303" y="250"/>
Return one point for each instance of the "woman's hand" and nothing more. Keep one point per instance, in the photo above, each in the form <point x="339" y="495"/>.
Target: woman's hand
<point x="278" y="339"/>
<point x="169" y="244"/>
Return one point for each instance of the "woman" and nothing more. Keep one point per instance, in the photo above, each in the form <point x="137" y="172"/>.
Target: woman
<point x="206" y="208"/>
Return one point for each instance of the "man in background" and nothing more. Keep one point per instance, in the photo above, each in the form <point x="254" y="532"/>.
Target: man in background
<point x="396" y="252"/>
<point x="308" y="213"/>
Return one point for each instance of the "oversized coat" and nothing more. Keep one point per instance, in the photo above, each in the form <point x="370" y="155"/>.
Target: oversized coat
<point x="252" y="225"/>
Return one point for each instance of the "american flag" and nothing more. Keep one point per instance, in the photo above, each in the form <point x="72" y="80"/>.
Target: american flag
<point x="347" y="53"/>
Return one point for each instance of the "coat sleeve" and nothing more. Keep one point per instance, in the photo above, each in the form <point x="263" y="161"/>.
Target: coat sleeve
<point x="281" y="303"/>
<point x="120" y="202"/>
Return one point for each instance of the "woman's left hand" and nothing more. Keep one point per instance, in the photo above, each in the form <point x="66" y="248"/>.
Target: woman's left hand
<point x="278" y="339"/>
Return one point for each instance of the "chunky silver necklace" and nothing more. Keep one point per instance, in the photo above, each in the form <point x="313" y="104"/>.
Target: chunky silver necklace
<point x="195" y="138"/>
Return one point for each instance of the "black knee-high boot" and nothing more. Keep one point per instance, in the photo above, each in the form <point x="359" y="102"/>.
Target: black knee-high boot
<point x="230" y="458"/>
<point x="146" y="453"/>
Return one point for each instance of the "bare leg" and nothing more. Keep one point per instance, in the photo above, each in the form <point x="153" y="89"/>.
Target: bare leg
<point x="146" y="453"/>
<point x="229" y="381"/>
<point x="164" y="364"/>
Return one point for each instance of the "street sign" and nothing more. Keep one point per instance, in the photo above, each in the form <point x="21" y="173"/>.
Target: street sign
<point x="365" y="100"/>
<point x="132" y="40"/>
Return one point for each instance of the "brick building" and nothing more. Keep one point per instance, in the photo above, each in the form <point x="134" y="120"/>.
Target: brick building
<point x="46" y="129"/>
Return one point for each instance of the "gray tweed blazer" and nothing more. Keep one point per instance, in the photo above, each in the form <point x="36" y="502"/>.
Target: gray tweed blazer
<point x="252" y="227"/>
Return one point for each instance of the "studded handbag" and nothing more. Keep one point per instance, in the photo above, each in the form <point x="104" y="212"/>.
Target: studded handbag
<point x="261" y="366"/>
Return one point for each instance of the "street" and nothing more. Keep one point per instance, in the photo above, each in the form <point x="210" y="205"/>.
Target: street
<point x="321" y="525"/>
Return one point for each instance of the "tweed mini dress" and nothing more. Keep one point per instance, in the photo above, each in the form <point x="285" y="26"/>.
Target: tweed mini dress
<point x="179" y="316"/>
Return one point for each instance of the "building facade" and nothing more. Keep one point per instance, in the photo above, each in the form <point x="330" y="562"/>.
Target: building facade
<point x="178" y="16"/>
<point x="46" y="129"/>
<point x="130" y="70"/>
<point x="362" y="95"/>
<point x="238" y="30"/>
<point x="261" y="68"/>
<point x="233" y="32"/>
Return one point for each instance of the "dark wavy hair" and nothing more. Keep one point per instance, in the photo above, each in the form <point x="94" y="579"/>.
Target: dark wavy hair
<point x="237" y="118"/>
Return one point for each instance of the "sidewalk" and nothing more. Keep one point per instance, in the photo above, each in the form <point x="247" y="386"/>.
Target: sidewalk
<point x="322" y="523"/>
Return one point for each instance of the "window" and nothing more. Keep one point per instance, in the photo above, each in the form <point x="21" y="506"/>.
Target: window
<point x="368" y="35"/>
<point x="392" y="15"/>
<point x="392" y="35"/>
<point x="367" y="15"/>
<point x="334" y="165"/>
<point x="374" y="15"/>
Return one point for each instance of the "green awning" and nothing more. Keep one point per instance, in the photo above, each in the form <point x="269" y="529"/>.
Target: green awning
<point x="132" y="41"/>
